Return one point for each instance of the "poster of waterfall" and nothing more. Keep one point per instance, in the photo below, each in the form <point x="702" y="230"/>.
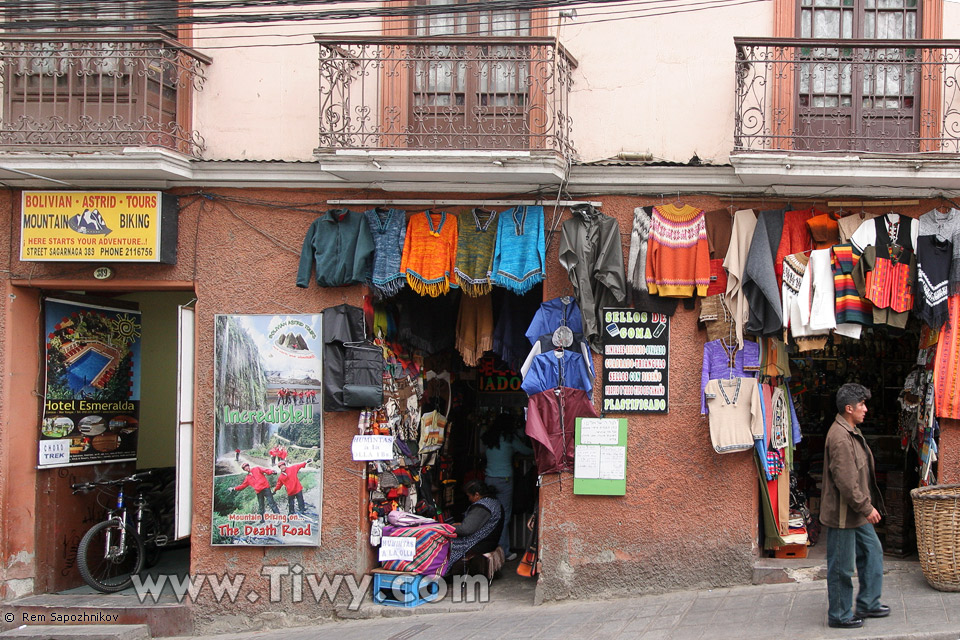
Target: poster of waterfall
<point x="268" y="426"/>
<point x="91" y="406"/>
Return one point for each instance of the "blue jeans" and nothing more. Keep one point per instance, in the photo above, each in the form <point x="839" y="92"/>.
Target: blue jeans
<point x="844" y="548"/>
<point x="504" y="489"/>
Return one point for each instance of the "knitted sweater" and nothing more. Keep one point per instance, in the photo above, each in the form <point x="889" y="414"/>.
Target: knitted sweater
<point x="388" y="228"/>
<point x="678" y="256"/>
<point x="520" y="255"/>
<point x="430" y="252"/>
<point x="478" y="237"/>
<point x="946" y="226"/>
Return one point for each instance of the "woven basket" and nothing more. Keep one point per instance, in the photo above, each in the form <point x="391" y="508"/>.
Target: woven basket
<point x="937" y="511"/>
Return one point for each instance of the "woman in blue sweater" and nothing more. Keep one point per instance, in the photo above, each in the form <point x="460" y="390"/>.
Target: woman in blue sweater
<point x="501" y="442"/>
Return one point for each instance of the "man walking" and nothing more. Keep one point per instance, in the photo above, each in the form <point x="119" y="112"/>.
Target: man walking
<point x="290" y="479"/>
<point x="849" y="509"/>
<point x="257" y="478"/>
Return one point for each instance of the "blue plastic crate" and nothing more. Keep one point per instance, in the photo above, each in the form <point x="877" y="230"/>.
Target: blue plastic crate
<point x="403" y="589"/>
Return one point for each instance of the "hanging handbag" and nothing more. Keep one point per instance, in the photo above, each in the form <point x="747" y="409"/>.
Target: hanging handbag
<point x="362" y="375"/>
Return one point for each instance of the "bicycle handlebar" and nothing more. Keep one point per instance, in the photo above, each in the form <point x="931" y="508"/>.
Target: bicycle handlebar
<point x="83" y="487"/>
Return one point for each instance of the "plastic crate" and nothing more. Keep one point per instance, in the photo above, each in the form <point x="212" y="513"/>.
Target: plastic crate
<point x="396" y="589"/>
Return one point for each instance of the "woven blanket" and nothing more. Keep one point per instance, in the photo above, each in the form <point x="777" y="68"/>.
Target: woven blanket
<point x="433" y="548"/>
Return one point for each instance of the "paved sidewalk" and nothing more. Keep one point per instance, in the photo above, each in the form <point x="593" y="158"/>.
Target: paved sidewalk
<point x="790" y="611"/>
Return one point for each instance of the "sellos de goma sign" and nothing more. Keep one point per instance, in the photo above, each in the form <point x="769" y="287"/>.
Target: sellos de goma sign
<point x="636" y="358"/>
<point x="98" y="226"/>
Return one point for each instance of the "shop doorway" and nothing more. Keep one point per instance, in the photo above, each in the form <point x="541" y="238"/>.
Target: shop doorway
<point x="886" y="362"/>
<point x="163" y="426"/>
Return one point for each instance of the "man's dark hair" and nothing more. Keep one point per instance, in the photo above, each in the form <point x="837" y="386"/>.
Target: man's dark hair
<point x="851" y="394"/>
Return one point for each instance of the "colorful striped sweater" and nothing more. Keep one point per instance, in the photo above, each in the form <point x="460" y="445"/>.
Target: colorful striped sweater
<point x="678" y="255"/>
<point x="850" y="307"/>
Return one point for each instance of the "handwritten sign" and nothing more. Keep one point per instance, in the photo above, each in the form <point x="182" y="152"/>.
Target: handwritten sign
<point x="372" y="447"/>
<point x="613" y="463"/>
<point x="599" y="431"/>
<point x="397" y="548"/>
<point x="586" y="462"/>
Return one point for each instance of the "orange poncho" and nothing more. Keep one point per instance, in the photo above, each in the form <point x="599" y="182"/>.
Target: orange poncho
<point x="430" y="252"/>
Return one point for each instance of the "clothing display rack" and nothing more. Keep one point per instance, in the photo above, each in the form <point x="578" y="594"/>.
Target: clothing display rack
<point x="461" y="203"/>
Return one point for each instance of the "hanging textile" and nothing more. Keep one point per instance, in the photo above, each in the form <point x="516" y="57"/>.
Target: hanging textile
<point x="427" y="323"/>
<point x="735" y="416"/>
<point x="338" y="245"/>
<point x="545" y="344"/>
<point x="888" y="226"/>
<point x="946" y="371"/>
<point x="475" y="247"/>
<point x="717" y="318"/>
<point x="550" y="315"/>
<point x="474" y="328"/>
<point x="388" y="228"/>
<point x="760" y="284"/>
<point x="591" y="252"/>
<point x="851" y="308"/>
<point x="519" y="257"/>
<point x="719" y="224"/>
<point x="722" y="359"/>
<point x="824" y="230"/>
<point x="796" y="296"/>
<point x="509" y="341"/>
<point x="430" y="252"/>
<point x="553" y="440"/>
<point x="887" y="271"/>
<point x="678" y="256"/>
<point x="744" y="224"/>
<point x="341" y="324"/>
<point x="848" y="225"/>
<point x="945" y="226"/>
<point x="933" y="273"/>
<point x="557" y="368"/>
<point x="636" y="274"/>
<point x="795" y="238"/>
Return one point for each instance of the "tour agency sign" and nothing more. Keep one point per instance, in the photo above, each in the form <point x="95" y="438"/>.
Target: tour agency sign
<point x="636" y="359"/>
<point x="268" y="463"/>
<point x="98" y="226"/>
<point x="91" y="408"/>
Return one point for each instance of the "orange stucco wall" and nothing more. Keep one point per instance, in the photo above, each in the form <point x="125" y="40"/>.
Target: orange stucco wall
<point x="688" y="519"/>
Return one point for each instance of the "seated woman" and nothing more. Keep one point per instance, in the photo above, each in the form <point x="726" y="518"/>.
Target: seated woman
<point x="482" y="524"/>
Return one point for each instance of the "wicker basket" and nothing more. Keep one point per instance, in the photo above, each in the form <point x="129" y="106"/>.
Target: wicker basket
<point x="937" y="511"/>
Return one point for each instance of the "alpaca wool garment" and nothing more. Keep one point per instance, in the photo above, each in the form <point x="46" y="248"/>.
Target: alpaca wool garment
<point x="388" y="227"/>
<point x="678" y="255"/>
<point x="933" y="267"/>
<point x="946" y="226"/>
<point x="744" y="223"/>
<point x="339" y="247"/>
<point x="475" y="246"/>
<point x="430" y="252"/>
<point x="946" y="370"/>
<point x="474" y="328"/>
<point x="760" y="279"/>
<point x="519" y="258"/>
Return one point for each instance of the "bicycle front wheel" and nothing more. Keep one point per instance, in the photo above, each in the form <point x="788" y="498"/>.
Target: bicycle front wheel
<point x="104" y="564"/>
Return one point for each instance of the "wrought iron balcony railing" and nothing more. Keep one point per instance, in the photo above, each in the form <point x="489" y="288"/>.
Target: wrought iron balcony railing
<point x="452" y="92"/>
<point x="100" y="90"/>
<point x="819" y="95"/>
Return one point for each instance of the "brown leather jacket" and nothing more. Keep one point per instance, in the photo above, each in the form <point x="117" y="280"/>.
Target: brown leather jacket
<point x="849" y="479"/>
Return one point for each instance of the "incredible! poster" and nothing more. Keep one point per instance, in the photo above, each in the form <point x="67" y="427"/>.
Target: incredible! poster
<point x="267" y="485"/>
<point x="91" y="409"/>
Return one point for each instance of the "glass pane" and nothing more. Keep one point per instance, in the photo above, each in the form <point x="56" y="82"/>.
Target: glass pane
<point x="847" y="24"/>
<point x="870" y="25"/>
<point x="826" y="24"/>
<point x="911" y="31"/>
<point x="805" y="20"/>
<point x="889" y="4"/>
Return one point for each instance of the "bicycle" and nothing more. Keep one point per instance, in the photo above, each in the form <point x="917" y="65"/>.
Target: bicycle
<point x="113" y="551"/>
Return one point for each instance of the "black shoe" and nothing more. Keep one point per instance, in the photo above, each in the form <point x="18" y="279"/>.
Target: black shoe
<point x="853" y="623"/>
<point x="880" y="612"/>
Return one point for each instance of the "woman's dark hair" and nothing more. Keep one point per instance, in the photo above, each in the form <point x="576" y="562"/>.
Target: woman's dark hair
<point x="479" y="486"/>
<point x="504" y="426"/>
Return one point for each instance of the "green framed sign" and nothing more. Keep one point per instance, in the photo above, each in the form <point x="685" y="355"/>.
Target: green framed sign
<point x="600" y="457"/>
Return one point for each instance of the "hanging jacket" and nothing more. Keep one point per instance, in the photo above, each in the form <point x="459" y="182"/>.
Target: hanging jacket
<point x="342" y="323"/>
<point x="591" y="252"/>
<point x="339" y="246"/>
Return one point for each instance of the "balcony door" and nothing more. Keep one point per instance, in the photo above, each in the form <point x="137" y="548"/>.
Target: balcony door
<point x="465" y="94"/>
<point x="858" y="98"/>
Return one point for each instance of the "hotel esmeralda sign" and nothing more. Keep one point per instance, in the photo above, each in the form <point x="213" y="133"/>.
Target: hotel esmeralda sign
<point x="98" y="226"/>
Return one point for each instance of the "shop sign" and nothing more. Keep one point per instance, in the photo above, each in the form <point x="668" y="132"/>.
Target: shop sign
<point x="98" y="226"/>
<point x="497" y="379"/>
<point x="91" y="407"/>
<point x="397" y="548"/>
<point x="267" y="392"/>
<point x="372" y="447"/>
<point x="636" y="358"/>
<point x="600" y="457"/>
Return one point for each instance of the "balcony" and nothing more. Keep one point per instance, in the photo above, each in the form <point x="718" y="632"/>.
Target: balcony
<point x="83" y="92"/>
<point x="453" y="96"/>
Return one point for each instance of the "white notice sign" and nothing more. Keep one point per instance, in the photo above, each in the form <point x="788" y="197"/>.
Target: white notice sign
<point x="599" y="431"/>
<point x="613" y="463"/>
<point x="54" y="452"/>
<point x="395" y="548"/>
<point x="586" y="461"/>
<point x="372" y="447"/>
